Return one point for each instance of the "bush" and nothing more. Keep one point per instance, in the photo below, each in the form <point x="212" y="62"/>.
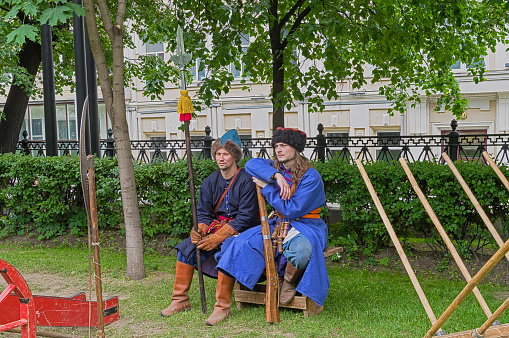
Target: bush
<point x="45" y="195"/>
<point x="361" y="224"/>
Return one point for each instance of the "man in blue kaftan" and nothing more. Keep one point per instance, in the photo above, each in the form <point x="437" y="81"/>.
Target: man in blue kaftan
<point x="296" y="192"/>
<point x="227" y="205"/>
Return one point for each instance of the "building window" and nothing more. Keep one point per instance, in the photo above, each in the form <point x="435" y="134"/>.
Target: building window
<point x="336" y="142"/>
<point x="155" y="49"/>
<point x="36" y="115"/>
<point x="157" y="153"/>
<point x="388" y="145"/>
<point x="462" y="67"/>
<point x="104" y="121"/>
<point x="71" y="117"/>
<point x="238" y="70"/>
<point x="471" y="142"/>
<point x="196" y="145"/>
<point x="198" y="74"/>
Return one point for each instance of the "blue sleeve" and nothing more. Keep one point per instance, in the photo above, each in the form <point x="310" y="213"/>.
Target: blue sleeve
<point x="261" y="169"/>
<point x="248" y="207"/>
<point x="310" y="194"/>
<point x="205" y="208"/>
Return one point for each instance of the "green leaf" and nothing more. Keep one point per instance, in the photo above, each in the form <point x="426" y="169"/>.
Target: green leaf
<point x="21" y="33"/>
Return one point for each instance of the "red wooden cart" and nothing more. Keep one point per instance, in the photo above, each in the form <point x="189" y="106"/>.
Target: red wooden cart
<point x="20" y="309"/>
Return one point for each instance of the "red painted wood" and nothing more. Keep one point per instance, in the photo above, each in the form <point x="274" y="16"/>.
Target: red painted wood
<point x="59" y="311"/>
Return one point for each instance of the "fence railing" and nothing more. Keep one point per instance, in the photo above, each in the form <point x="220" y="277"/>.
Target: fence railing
<point x="322" y="147"/>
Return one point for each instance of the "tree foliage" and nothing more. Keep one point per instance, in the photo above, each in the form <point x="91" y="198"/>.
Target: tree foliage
<point x="311" y="49"/>
<point x="21" y="21"/>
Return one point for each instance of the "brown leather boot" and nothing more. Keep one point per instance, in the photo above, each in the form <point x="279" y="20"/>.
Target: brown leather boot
<point x="223" y="299"/>
<point x="180" y="299"/>
<point x="291" y="280"/>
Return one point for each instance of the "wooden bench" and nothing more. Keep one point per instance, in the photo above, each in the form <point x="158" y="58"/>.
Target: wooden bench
<point x="244" y="296"/>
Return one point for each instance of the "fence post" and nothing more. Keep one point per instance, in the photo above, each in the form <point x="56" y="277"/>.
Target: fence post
<point x="320" y="143"/>
<point x="207" y="143"/>
<point x="25" y="143"/>
<point x="453" y="142"/>
<point x="110" y="144"/>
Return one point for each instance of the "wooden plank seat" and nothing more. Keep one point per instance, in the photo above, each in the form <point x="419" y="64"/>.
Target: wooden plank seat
<point x="244" y="296"/>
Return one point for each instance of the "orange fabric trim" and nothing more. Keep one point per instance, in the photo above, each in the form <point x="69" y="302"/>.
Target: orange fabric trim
<point x="313" y="214"/>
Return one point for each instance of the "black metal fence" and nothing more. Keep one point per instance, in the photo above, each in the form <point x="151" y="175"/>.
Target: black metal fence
<point x="322" y="147"/>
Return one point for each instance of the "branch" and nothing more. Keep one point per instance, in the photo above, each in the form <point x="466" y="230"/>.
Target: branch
<point x="120" y="13"/>
<point x="105" y="15"/>
<point x="296" y="25"/>
<point x="97" y="50"/>
<point x="291" y="12"/>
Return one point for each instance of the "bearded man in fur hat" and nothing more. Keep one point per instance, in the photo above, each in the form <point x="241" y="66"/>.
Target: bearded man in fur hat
<point x="227" y="205"/>
<point x="296" y="192"/>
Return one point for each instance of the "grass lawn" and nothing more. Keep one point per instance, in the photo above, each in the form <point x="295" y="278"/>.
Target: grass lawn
<point x="360" y="303"/>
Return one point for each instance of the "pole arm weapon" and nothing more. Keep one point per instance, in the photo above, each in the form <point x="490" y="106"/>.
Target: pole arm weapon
<point x="182" y="59"/>
<point x="87" y="173"/>
<point x="271" y="293"/>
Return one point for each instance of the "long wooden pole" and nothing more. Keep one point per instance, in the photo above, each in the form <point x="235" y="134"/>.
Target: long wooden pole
<point x="396" y="243"/>
<point x="496" y="169"/>
<point x="195" y="217"/>
<point x="271" y="293"/>
<point x="95" y="246"/>
<point x="444" y="236"/>
<point x="474" y="201"/>
<point x="468" y="288"/>
<point x="480" y="331"/>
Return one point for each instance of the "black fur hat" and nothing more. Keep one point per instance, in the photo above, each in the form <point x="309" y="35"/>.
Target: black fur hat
<point x="293" y="137"/>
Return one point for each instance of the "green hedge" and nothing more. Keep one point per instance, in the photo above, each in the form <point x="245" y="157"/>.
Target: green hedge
<point x="361" y="224"/>
<point x="55" y="205"/>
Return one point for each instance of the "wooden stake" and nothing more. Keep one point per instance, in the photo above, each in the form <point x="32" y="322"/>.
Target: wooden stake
<point x="496" y="169"/>
<point x="468" y="288"/>
<point x="474" y="201"/>
<point x="95" y="247"/>
<point x="444" y="236"/>
<point x="397" y="244"/>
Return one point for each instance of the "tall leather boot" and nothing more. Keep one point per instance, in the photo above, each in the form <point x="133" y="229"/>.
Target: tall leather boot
<point x="180" y="298"/>
<point x="291" y="280"/>
<point x="223" y="299"/>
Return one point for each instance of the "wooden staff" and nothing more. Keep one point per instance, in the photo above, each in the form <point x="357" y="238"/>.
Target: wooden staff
<point x="87" y="173"/>
<point x="474" y="201"/>
<point x="444" y="236"/>
<point x="195" y="217"/>
<point x="396" y="243"/>
<point x="271" y="293"/>
<point x="95" y="246"/>
<point x="468" y="288"/>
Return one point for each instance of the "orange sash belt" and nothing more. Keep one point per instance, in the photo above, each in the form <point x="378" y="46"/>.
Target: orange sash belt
<point x="313" y="214"/>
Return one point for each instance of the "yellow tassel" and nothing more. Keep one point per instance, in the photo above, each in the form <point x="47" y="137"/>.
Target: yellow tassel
<point x="185" y="107"/>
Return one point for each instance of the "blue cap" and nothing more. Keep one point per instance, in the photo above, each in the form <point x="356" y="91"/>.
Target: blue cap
<point x="233" y="136"/>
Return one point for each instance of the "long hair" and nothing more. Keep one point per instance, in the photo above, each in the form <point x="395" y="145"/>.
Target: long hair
<point x="302" y="164"/>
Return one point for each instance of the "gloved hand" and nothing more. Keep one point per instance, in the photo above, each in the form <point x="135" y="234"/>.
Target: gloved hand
<point x="196" y="236"/>
<point x="211" y="242"/>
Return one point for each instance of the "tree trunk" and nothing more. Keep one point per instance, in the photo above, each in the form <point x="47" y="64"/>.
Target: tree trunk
<point x="278" y="72"/>
<point x="17" y="99"/>
<point x="278" y="85"/>
<point x="134" y="239"/>
<point x="114" y="97"/>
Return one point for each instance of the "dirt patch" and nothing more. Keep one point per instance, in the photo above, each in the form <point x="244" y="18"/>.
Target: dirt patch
<point x="428" y="263"/>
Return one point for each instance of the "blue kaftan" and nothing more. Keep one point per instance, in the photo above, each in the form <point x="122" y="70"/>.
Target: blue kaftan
<point x="241" y="204"/>
<point x="244" y="259"/>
